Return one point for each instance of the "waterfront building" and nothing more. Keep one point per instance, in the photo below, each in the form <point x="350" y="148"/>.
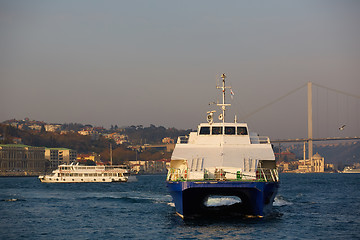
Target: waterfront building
<point x="84" y="157"/>
<point x="315" y="164"/>
<point x="318" y="163"/>
<point x="21" y="160"/>
<point x="58" y="156"/>
<point x="149" y="166"/>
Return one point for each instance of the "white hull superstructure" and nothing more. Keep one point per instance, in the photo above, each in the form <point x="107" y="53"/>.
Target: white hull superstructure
<point x="209" y="152"/>
<point x="78" y="173"/>
<point x="223" y="159"/>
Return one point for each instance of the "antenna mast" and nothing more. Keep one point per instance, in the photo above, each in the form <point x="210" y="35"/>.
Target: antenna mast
<point x="111" y="157"/>
<point x="223" y="105"/>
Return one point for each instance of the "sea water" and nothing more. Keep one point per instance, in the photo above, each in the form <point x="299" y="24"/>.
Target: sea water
<point x="308" y="206"/>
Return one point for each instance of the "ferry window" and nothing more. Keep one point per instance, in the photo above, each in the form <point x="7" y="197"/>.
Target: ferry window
<point x="216" y="130"/>
<point x="242" y="131"/>
<point x="230" y="130"/>
<point x="204" y="130"/>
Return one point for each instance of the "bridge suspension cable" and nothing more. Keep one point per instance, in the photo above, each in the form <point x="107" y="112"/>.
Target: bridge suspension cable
<point x="293" y="91"/>
<point x="272" y="102"/>
<point x="338" y="91"/>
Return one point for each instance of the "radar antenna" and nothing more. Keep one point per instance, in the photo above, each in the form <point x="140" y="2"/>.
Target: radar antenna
<point x="223" y="105"/>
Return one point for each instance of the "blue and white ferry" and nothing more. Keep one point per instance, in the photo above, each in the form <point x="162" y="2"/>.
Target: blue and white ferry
<point x="222" y="169"/>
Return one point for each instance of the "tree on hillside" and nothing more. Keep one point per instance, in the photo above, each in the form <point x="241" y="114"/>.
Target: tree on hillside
<point x="120" y="155"/>
<point x="152" y="134"/>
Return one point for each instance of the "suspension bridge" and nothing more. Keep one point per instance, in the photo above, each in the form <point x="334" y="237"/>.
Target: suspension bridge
<point x="310" y="139"/>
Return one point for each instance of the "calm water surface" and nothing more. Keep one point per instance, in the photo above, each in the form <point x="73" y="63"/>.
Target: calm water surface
<point x="308" y="206"/>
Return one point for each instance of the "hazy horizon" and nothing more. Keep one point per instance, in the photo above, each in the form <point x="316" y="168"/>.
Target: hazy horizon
<point x="157" y="62"/>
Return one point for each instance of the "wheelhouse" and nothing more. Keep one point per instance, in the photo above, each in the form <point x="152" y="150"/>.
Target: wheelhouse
<point x="223" y="129"/>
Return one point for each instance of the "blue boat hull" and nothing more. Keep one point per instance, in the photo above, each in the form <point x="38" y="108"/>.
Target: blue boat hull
<point x="189" y="197"/>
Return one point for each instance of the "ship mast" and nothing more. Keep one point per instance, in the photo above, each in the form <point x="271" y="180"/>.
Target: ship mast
<point x="223" y="105"/>
<point x="111" y="157"/>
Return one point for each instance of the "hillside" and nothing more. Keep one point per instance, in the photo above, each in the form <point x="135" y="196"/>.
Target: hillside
<point x="100" y="144"/>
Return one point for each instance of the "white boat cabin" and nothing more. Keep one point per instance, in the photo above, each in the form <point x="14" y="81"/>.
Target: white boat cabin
<point x="222" y="150"/>
<point x="227" y="146"/>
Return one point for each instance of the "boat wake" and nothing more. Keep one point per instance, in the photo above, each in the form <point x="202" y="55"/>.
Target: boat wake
<point x="126" y="198"/>
<point x="217" y="201"/>
<point x="171" y="204"/>
<point x="12" y="200"/>
<point x="132" y="179"/>
<point x="281" y="201"/>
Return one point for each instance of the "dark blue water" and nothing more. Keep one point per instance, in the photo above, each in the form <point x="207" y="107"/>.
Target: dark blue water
<point x="308" y="206"/>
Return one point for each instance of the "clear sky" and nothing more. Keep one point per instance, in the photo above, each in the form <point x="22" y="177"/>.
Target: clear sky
<point x="156" y="62"/>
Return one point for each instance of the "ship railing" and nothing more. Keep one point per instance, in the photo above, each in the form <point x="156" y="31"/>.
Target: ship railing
<point x="264" y="140"/>
<point x="176" y="174"/>
<point x="259" y="140"/>
<point x="267" y="174"/>
<point x="183" y="139"/>
<point x="261" y="175"/>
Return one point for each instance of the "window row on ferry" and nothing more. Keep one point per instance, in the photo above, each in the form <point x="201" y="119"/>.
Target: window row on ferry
<point x="78" y="167"/>
<point x="87" y="174"/>
<point x="214" y="130"/>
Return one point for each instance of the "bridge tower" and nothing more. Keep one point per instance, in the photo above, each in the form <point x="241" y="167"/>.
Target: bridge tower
<point x="310" y="121"/>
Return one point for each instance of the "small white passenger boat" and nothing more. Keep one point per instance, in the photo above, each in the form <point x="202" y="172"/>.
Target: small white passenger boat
<point x="78" y="173"/>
